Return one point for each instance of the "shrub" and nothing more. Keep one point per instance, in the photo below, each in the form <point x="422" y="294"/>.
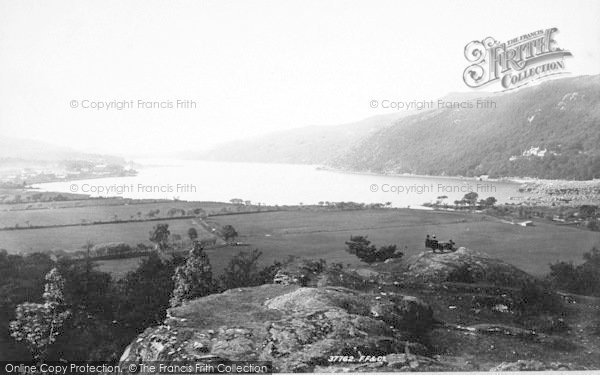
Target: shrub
<point x="386" y="252"/>
<point x="313" y="266"/>
<point x="310" y="269"/>
<point x="243" y="271"/>
<point x="192" y="234"/>
<point x="368" y="253"/>
<point x="582" y="279"/>
<point x="228" y="232"/>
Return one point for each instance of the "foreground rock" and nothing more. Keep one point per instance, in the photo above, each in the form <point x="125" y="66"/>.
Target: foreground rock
<point x="532" y="365"/>
<point x="463" y="265"/>
<point x="297" y="328"/>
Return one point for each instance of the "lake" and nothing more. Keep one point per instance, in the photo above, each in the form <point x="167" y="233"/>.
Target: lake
<point x="280" y="184"/>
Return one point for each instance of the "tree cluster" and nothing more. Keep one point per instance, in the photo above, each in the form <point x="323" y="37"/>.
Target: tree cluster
<point x="581" y="279"/>
<point x="368" y="253"/>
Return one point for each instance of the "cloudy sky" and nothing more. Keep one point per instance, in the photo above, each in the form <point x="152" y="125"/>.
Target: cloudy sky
<point x="252" y="67"/>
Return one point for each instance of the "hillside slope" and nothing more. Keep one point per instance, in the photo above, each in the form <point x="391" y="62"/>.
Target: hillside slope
<point x="551" y="130"/>
<point x="307" y="145"/>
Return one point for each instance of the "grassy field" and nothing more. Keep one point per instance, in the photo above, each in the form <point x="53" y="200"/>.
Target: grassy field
<point x="75" y="212"/>
<point x="219" y="258"/>
<point x="74" y="238"/>
<point x="322" y="233"/>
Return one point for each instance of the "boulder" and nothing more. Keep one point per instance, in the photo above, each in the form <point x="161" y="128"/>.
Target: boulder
<point x="296" y="328"/>
<point x="463" y="265"/>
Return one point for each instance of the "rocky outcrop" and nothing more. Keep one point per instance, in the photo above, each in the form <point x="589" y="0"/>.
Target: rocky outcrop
<point x="296" y="328"/>
<point x="315" y="312"/>
<point x="393" y="362"/>
<point x="532" y="365"/>
<point x="464" y="265"/>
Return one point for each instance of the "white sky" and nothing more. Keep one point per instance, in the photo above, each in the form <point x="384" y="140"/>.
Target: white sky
<point x="253" y="67"/>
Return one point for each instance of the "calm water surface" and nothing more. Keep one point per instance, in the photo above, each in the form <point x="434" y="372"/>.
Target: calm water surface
<point x="282" y="184"/>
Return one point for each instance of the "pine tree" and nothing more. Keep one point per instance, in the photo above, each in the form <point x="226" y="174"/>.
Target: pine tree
<point x="194" y="278"/>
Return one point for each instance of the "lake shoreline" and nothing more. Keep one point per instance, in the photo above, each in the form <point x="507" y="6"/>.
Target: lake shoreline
<point x="285" y="184"/>
<point x="508" y="180"/>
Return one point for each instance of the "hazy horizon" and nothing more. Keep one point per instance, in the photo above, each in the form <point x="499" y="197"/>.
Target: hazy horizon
<point x="251" y="68"/>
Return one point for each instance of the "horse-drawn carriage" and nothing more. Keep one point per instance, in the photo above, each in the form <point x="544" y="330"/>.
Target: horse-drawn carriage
<point x="438" y="246"/>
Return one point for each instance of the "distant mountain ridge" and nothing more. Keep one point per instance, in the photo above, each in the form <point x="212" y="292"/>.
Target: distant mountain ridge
<point x="307" y="145"/>
<point x="17" y="149"/>
<point x="550" y="130"/>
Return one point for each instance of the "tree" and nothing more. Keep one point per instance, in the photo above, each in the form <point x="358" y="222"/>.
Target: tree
<point x="145" y="293"/>
<point x="93" y="331"/>
<point x="471" y="198"/>
<point x="490" y="201"/>
<point x="192" y="234"/>
<point x="386" y="252"/>
<point x="86" y="288"/>
<point x="194" y="278"/>
<point x="362" y="248"/>
<point x="38" y="324"/>
<point x="160" y="236"/>
<point x="581" y="279"/>
<point x="228" y="232"/>
<point x="153" y="213"/>
<point x="242" y="271"/>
